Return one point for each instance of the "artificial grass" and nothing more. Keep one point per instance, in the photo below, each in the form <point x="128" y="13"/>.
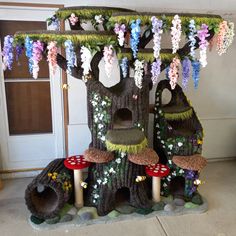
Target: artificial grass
<point x="179" y="115"/>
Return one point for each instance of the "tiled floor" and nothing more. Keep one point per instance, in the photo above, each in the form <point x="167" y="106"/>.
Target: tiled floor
<point x="220" y="220"/>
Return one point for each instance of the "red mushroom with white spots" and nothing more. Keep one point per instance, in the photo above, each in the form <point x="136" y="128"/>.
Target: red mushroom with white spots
<point x="77" y="163"/>
<point x="157" y="171"/>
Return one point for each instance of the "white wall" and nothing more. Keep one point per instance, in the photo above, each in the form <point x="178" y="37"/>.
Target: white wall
<point x="215" y="99"/>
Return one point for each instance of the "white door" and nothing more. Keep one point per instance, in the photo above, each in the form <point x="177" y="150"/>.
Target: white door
<point x="31" y="111"/>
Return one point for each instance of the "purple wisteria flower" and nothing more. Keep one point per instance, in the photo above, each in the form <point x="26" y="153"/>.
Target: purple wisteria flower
<point x="7" y="53"/>
<point x="186" y="64"/>
<point x="156" y="70"/>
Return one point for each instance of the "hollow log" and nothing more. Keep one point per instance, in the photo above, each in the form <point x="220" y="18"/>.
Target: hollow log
<point x="46" y="195"/>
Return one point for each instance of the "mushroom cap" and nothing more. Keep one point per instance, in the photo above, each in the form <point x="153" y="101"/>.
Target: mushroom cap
<point x="195" y="162"/>
<point x="76" y="162"/>
<point x="98" y="156"/>
<point x="157" y="170"/>
<point x="146" y="157"/>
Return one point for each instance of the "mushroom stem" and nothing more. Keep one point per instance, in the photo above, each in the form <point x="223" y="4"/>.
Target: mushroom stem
<point x="156" y="186"/>
<point x="79" y="201"/>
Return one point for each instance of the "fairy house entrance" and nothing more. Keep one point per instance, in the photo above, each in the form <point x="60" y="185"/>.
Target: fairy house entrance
<point x="122" y="196"/>
<point x="122" y="119"/>
<point x="177" y="186"/>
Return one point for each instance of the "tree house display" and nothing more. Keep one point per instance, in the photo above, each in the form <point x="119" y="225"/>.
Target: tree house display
<point x="121" y="165"/>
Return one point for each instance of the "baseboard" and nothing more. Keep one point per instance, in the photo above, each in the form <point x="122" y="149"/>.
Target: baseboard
<point x="216" y="159"/>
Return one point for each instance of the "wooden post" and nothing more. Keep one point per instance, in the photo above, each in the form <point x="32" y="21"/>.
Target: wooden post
<point x="156" y="186"/>
<point x="79" y="201"/>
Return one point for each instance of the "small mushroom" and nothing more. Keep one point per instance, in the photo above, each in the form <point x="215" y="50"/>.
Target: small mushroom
<point x="77" y="163"/>
<point x="157" y="171"/>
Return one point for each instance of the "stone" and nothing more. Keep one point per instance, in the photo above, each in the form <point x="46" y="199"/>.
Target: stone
<point x="52" y="221"/>
<point x="158" y="206"/>
<point x="179" y="202"/>
<point x="91" y="210"/>
<point x="66" y="218"/>
<point x="113" y="214"/>
<point x="167" y="199"/>
<point x="169" y="207"/>
<point x="66" y="208"/>
<point x="125" y="209"/>
<point x="190" y="205"/>
<point x="73" y="211"/>
<point x="86" y="216"/>
<point x="197" y="199"/>
<point x="36" y="220"/>
<point x="144" y="211"/>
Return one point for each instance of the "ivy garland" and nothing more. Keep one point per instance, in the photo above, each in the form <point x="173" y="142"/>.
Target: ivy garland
<point x="101" y="117"/>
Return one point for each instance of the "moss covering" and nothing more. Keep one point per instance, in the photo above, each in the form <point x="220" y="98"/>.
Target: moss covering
<point x="180" y="115"/>
<point x="135" y="148"/>
<point x="86" y="13"/>
<point x="211" y="20"/>
<point x="81" y="37"/>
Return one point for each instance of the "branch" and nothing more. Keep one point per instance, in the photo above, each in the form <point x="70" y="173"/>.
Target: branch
<point x="76" y="72"/>
<point x="94" y="64"/>
<point x="146" y="39"/>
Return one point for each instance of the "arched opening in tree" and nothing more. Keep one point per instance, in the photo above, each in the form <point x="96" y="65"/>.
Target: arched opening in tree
<point x="122" y="196"/>
<point x="177" y="186"/>
<point x="122" y="119"/>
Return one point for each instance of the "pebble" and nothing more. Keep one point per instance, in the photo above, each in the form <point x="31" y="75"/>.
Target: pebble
<point x="179" y="202"/>
<point x="91" y="210"/>
<point x="144" y="211"/>
<point x="72" y="211"/>
<point x="169" y="207"/>
<point x="86" y="216"/>
<point x="36" y="220"/>
<point x="190" y="205"/>
<point x="158" y="206"/>
<point x="113" y="214"/>
<point x="197" y="199"/>
<point x="53" y="220"/>
<point x="66" y="218"/>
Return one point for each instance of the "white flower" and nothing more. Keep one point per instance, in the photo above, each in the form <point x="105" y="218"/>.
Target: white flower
<point x="106" y="173"/>
<point x="180" y="144"/>
<point x="181" y="171"/>
<point x="103" y="138"/>
<point x="103" y="103"/>
<point x="86" y="57"/>
<point x="175" y="33"/>
<point x="112" y="170"/>
<point x="118" y="160"/>
<point x="95" y="186"/>
<point x="170" y="146"/>
<point x="99" y="19"/>
<point x="94" y="201"/>
<point x="100" y="126"/>
<point x="138" y="72"/>
<point x="99" y="181"/>
<point x="164" y="185"/>
<point x="170" y="161"/>
<point x="105" y="181"/>
<point x="96" y="196"/>
<point x="122" y="154"/>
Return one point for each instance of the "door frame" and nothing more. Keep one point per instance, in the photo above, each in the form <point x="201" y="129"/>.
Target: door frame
<point x="3" y="117"/>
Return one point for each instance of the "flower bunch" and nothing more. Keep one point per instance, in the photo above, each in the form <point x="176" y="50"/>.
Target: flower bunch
<point x="173" y="73"/>
<point x="8" y="52"/>
<point x="157" y="32"/>
<point x="86" y="57"/>
<point x="36" y="57"/>
<point x="175" y="33"/>
<point x="138" y="73"/>
<point x="108" y="54"/>
<point x="135" y="36"/>
<point x="52" y="56"/>
<point x="186" y="64"/>
<point x="99" y="19"/>
<point x="191" y="36"/>
<point x="29" y="52"/>
<point x="203" y="44"/>
<point x="124" y="66"/>
<point x="73" y="19"/>
<point x="70" y="55"/>
<point x="55" y="23"/>
<point x="19" y="51"/>
<point x="120" y="31"/>
<point x="225" y="37"/>
<point x="196" y="73"/>
<point x="156" y="70"/>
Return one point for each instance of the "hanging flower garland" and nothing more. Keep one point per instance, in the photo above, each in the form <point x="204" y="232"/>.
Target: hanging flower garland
<point x="124" y="66"/>
<point x="138" y="72"/>
<point x="54" y="22"/>
<point x="86" y="57"/>
<point x="19" y="51"/>
<point x="99" y="19"/>
<point x="108" y="54"/>
<point x="135" y="36"/>
<point x="120" y="31"/>
<point x="156" y="70"/>
<point x="8" y="52"/>
<point x="73" y="19"/>
<point x="229" y="37"/>
<point x="36" y="57"/>
<point x="196" y="73"/>
<point x="52" y="56"/>
<point x="223" y="28"/>
<point x="176" y="33"/>
<point x="157" y="32"/>
<point x="70" y="55"/>
<point x="186" y="64"/>
<point x="173" y="73"/>
<point x="29" y="52"/>
<point x="192" y="38"/>
<point x="203" y="44"/>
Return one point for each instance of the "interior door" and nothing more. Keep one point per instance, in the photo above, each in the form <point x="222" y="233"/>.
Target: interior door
<point x="31" y="111"/>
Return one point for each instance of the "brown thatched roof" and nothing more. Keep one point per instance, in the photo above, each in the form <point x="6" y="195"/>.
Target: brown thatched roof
<point x="194" y="162"/>
<point x="146" y="157"/>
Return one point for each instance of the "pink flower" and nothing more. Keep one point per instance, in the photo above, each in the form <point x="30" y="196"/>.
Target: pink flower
<point x="174" y="72"/>
<point x="52" y="56"/>
<point x="73" y="19"/>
